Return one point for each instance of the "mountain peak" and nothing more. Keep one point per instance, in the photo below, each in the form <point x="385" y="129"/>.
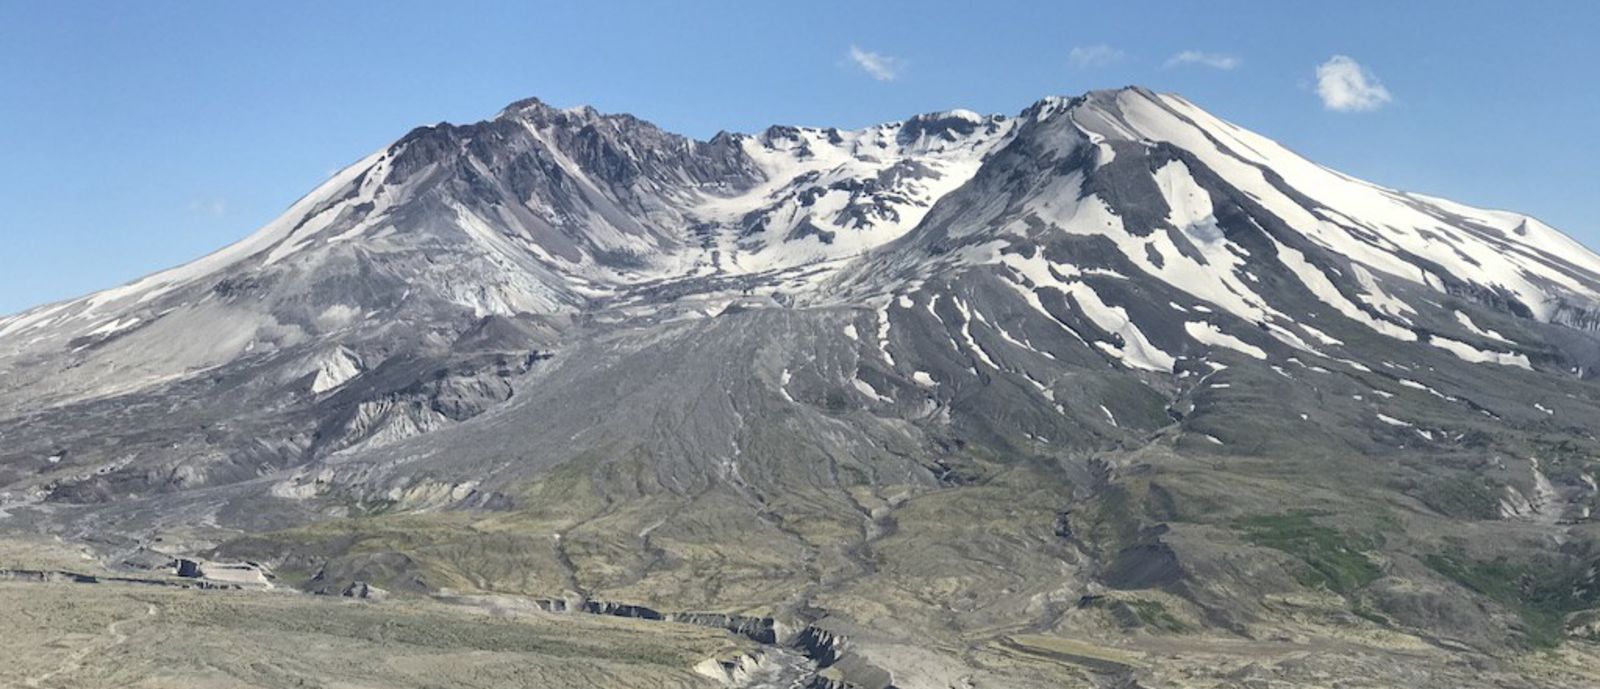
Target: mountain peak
<point x="1076" y="372"/>
<point x="1097" y="98"/>
<point x="535" y="105"/>
<point x="558" y="209"/>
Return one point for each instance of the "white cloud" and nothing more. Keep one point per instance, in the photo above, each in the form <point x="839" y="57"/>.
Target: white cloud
<point x="1100" y="55"/>
<point x="880" y="67"/>
<point x="1195" y="57"/>
<point x="1345" y="86"/>
<point x="215" y="208"/>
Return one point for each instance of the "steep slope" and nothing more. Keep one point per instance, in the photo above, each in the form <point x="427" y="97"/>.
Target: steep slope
<point x="1130" y="183"/>
<point x="934" y="395"/>
<point x="538" y="211"/>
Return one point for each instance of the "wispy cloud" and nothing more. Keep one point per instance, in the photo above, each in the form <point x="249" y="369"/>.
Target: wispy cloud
<point x="1345" y="86"/>
<point x="1196" y="57"/>
<point x="878" y="66"/>
<point x="214" y="208"/>
<point x="1086" y="56"/>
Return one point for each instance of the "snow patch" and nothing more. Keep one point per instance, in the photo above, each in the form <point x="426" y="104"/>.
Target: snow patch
<point x="1467" y="352"/>
<point x="1207" y="333"/>
<point x="1466" y="322"/>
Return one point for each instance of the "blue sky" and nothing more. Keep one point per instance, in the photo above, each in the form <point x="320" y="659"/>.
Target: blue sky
<point x="136" y="136"/>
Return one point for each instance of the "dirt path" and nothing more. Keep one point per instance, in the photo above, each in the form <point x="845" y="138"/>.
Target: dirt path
<point x="111" y="638"/>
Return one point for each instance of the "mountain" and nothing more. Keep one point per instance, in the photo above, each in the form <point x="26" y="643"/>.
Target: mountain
<point x="1090" y="394"/>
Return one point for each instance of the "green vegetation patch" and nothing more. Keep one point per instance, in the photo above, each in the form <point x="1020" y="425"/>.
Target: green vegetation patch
<point x="1463" y="496"/>
<point x="1141" y="612"/>
<point x="1152" y="613"/>
<point x="1542" y="594"/>
<point x="1333" y="559"/>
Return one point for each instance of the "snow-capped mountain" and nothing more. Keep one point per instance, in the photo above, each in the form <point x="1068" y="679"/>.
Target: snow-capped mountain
<point x="1164" y="194"/>
<point x="538" y="211"/>
<point x="812" y="342"/>
<point x="549" y="211"/>
<point x="1133" y="225"/>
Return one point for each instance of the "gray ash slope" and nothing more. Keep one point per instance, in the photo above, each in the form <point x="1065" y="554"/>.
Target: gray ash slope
<point x="986" y="367"/>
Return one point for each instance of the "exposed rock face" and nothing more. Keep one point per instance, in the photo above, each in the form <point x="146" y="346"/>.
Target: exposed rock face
<point x="363" y="590"/>
<point x="822" y="645"/>
<point x="923" y="386"/>
<point x="821" y="649"/>
<point x="762" y="630"/>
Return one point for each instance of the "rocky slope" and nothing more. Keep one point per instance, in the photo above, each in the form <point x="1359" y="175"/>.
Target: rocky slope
<point x="964" y="395"/>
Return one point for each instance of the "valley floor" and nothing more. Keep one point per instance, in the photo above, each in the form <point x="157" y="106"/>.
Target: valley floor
<point x="125" y="636"/>
<point x="82" y="636"/>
